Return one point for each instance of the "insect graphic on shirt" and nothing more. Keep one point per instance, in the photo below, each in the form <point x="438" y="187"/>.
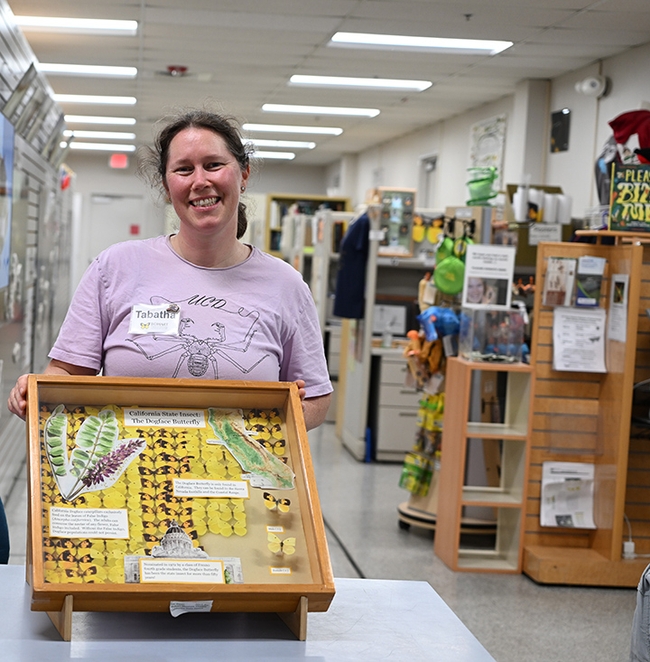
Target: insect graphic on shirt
<point x="201" y="353"/>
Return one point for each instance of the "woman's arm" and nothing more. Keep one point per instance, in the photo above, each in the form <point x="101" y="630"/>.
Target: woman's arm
<point x="314" y="409"/>
<point x="17" y="402"/>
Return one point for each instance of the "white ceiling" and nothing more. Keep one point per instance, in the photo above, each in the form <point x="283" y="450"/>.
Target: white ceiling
<point x="241" y="53"/>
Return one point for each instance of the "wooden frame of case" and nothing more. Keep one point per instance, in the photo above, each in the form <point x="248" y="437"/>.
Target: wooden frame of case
<point x="288" y="599"/>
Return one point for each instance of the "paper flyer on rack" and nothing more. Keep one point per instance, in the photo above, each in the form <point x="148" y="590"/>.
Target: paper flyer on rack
<point x="617" y="318"/>
<point x="567" y="495"/>
<point x="579" y="339"/>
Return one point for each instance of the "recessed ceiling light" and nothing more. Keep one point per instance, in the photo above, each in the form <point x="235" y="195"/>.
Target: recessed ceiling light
<point x="89" y="98"/>
<point x="109" y="135"/>
<point x="100" y="147"/>
<point x="319" y="110"/>
<point x="287" y="156"/>
<point x="374" y="83"/>
<point x="78" y="25"/>
<point x="290" y="144"/>
<point x="440" y="44"/>
<point x="290" y="128"/>
<point x="96" y="119"/>
<point x="86" y="70"/>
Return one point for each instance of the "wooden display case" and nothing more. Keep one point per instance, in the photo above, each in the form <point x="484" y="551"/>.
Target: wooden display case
<point x="148" y="491"/>
<point x="507" y="498"/>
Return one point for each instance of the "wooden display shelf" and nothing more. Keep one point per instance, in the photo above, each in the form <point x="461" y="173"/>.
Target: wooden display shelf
<point x="619" y="236"/>
<point x="585" y="417"/>
<point x="275" y="578"/>
<point x="507" y="498"/>
<point x="580" y="566"/>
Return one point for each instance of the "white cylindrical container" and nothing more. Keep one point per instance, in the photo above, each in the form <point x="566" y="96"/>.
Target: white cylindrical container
<point x="520" y="204"/>
<point x="550" y="208"/>
<point x="564" y="205"/>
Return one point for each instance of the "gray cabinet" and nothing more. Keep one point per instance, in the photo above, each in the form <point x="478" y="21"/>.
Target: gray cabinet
<point x="394" y="406"/>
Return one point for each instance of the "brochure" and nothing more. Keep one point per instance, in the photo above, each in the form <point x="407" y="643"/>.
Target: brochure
<point x="589" y="280"/>
<point x="567" y="495"/>
<point x="559" y="281"/>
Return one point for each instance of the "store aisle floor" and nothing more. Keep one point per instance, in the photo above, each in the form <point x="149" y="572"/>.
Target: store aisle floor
<point x="515" y="619"/>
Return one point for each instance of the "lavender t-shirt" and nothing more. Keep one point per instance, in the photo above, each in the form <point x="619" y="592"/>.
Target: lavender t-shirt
<point x="256" y="320"/>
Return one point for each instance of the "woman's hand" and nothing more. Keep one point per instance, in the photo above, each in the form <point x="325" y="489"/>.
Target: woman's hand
<point x="17" y="402"/>
<point x="300" y="383"/>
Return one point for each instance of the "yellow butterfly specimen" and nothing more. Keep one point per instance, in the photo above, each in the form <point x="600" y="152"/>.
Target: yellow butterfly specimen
<point x="279" y="547"/>
<point x="114" y="500"/>
<point x="279" y="505"/>
<point x="277" y="447"/>
<point x="227" y="529"/>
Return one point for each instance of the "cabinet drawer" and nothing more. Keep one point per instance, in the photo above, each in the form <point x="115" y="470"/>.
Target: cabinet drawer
<point x="396" y="429"/>
<point x="393" y="372"/>
<point x="398" y="396"/>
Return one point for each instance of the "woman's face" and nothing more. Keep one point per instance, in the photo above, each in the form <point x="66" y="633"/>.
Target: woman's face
<point x="203" y="181"/>
<point x="475" y="290"/>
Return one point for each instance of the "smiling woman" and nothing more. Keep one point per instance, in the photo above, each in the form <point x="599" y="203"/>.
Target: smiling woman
<point x="230" y="311"/>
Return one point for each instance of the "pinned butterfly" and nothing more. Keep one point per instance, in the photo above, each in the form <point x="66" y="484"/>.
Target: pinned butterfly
<point x="280" y="547"/>
<point x="276" y="505"/>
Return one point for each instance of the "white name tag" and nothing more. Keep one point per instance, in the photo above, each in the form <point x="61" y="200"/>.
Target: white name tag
<point x="162" y="319"/>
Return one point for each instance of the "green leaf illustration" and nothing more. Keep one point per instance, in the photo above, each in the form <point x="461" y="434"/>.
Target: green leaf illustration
<point x="96" y="440"/>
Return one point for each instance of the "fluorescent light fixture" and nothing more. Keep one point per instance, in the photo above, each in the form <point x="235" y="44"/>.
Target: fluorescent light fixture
<point x="89" y="98"/>
<point x="106" y="135"/>
<point x="287" y="156"/>
<point x="287" y="144"/>
<point x="319" y="110"/>
<point x="86" y="70"/>
<point x="96" y="119"/>
<point x="78" y="25"/>
<point x="290" y="128"/>
<point x="372" y="83"/>
<point x="100" y="147"/>
<point x="439" y="44"/>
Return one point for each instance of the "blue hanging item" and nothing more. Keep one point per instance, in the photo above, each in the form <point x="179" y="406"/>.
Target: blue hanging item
<point x="438" y="322"/>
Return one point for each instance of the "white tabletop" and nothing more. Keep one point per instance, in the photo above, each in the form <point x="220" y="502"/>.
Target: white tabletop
<point x="368" y="620"/>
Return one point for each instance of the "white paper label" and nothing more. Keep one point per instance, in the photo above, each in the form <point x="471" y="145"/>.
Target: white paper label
<point x="161" y="320"/>
<point x="164" y="418"/>
<point x="280" y="571"/>
<point x="89" y="523"/>
<point x="233" y="489"/>
<point x="548" y="232"/>
<point x="178" y="607"/>
<point x="275" y="529"/>
<point x="196" y="572"/>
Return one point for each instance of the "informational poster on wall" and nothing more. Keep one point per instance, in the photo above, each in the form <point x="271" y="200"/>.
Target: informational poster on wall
<point x="489" y="273"/>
